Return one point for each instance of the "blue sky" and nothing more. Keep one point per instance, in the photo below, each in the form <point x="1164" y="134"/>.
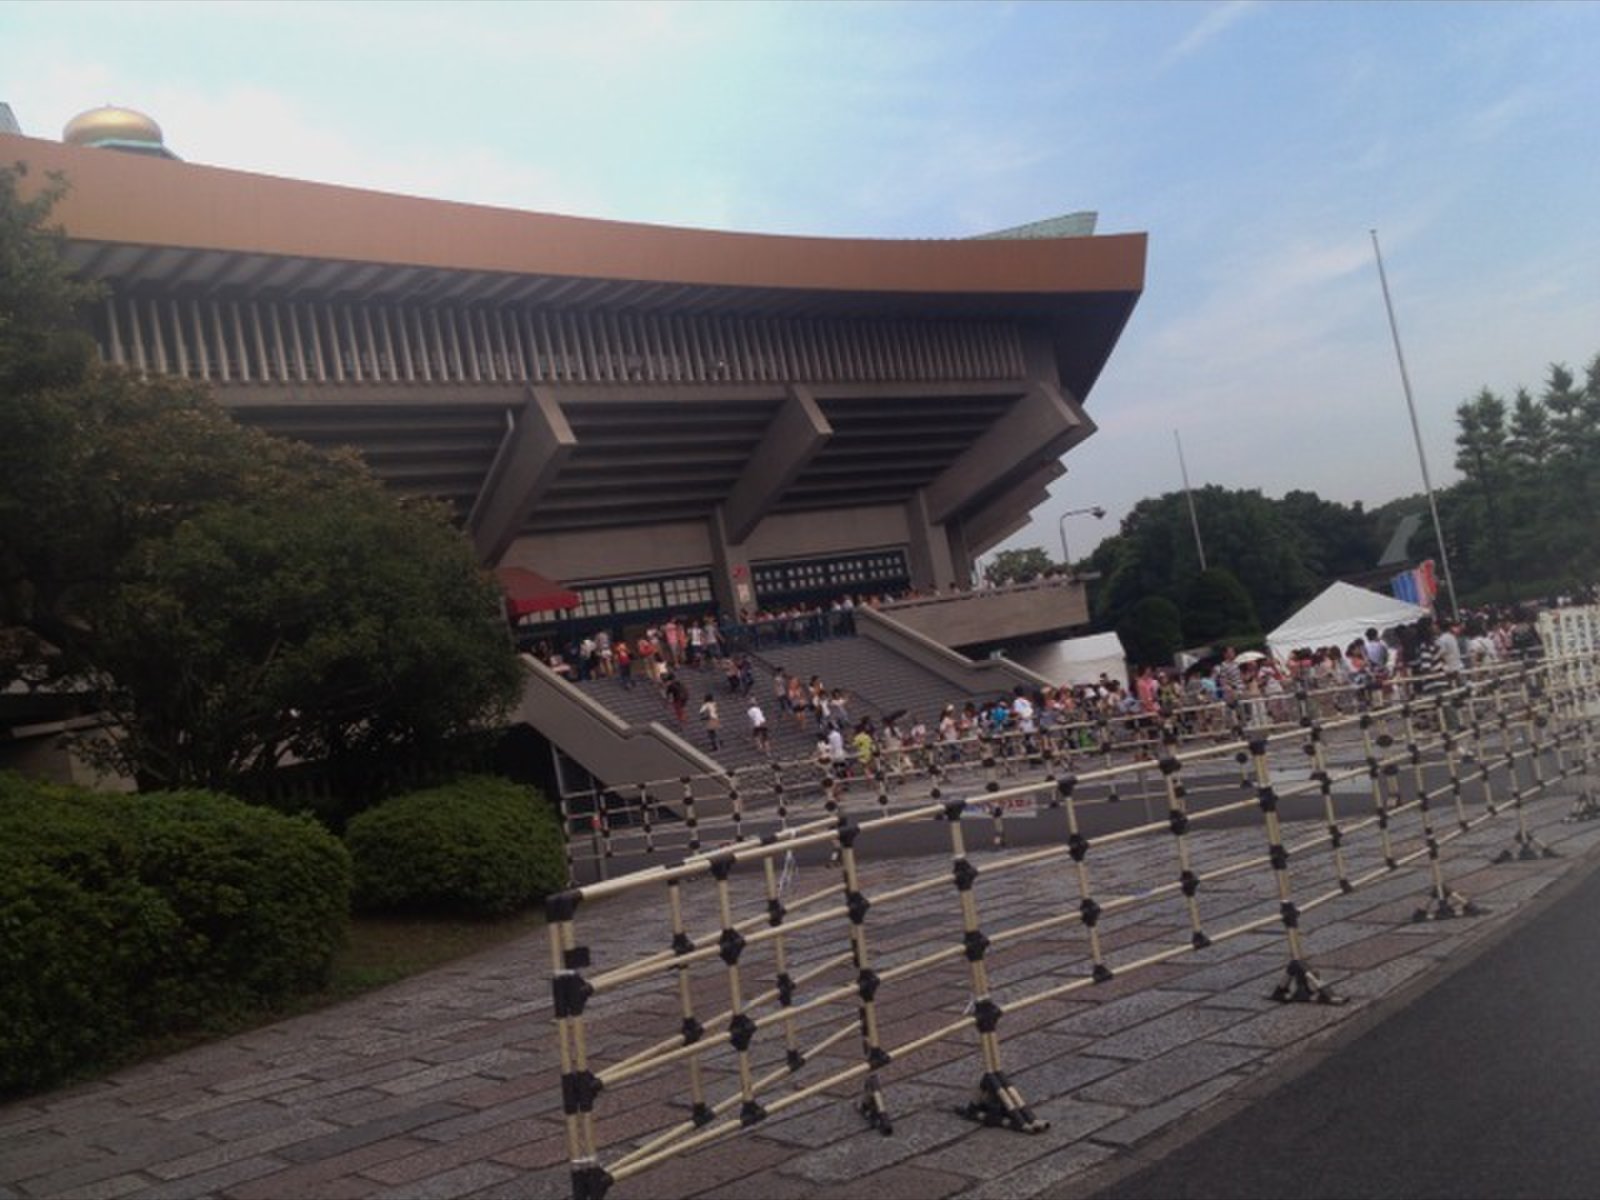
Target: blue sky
<point x="1256" y="143"/>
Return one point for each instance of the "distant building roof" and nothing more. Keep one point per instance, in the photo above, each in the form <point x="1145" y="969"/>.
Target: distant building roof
<point x="1078" y="224"/>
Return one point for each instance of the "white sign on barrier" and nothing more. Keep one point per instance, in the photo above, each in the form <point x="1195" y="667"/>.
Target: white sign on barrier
<point x="1574" y="633"/>
<point x="979" y="807"/>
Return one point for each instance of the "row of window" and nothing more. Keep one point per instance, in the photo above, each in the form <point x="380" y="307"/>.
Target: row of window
<point x="643" y="596"/>
<point x="843" y="573"/>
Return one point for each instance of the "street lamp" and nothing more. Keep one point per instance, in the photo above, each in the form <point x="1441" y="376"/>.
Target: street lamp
<point x="1094" y="510"/>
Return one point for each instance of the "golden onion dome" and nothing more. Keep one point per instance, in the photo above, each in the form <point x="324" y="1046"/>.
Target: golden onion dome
<point x="111" y="124"/>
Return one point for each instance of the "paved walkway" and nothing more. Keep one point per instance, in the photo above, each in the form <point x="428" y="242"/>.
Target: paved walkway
<point x="446" y="1085"/>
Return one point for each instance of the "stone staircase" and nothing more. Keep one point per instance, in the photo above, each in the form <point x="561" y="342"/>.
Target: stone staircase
<point x="876" y="680"/>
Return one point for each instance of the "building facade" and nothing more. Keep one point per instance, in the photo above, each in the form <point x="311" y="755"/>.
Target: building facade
<point x="659" y="418"/>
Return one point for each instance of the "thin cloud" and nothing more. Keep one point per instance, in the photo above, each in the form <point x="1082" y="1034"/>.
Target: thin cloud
<point x="1208" y="28"/>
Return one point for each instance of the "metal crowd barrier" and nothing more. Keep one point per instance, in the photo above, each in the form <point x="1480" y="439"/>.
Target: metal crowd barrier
<point x="779" y="998"/>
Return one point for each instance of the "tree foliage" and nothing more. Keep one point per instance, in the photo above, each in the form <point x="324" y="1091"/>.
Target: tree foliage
<point x="1017" y="566"/>
<point x="1216" y="607"/>
<point x="232" y="600"/>
<point x="1151" y="631"/>
<point x="1525" y="507"/>
<point x="1276" y="550"/>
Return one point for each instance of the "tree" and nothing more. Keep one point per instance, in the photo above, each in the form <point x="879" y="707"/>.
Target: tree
<point x="231" y="600"/>
<point x="1217" y="606"/>
<point x="320" y="620"/>
<point x="1481" y="456"/>
<point x="1151" y="632"/>
<point x="1017" y="566"/>
<point x="40" y="343"/>
<point x="1155" y="553"/>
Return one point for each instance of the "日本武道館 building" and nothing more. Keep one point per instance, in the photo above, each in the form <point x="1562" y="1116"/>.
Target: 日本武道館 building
<point x="631" y="421"/>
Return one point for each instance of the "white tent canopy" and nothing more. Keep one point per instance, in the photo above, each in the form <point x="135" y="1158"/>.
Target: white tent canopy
<point x="1342" y="613"/>
<point x="1077" y="660"/>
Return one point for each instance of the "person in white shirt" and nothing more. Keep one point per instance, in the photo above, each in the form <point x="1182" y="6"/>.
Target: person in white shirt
<point x="758" y="727"/>
<point x="1449" y="641"/>
<point x="836" y="752"/>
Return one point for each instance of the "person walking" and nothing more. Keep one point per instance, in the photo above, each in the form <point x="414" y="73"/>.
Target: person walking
<point x="758" y="726"/>
<point x="710" y="720"/>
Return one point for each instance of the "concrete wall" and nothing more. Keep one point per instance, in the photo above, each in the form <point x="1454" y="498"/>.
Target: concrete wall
<point x="992" y="615"/>
<point x="987" y="675"/>
<point x="618" y="754"/>
<point x="687" y="545"/>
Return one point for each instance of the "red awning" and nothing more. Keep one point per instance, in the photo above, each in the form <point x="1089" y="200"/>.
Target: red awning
<point x="530" y="592"/>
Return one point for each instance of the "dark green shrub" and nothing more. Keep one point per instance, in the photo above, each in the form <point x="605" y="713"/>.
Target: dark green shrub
<point x="125" y="916"/>
<point x="481" y="846"/>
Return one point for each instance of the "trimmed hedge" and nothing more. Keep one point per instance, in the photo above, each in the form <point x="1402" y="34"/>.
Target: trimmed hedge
<point x="123" y="917"/>
<point x="481" y="846"/>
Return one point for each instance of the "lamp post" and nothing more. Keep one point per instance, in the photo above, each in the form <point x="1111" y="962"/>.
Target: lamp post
<point x="1093" y="510"/>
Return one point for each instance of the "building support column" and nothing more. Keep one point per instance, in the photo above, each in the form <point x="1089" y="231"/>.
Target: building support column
<point x="537" y="444"/>
<point x="1044" y="419"/>
<point x="932" y="564"/>
<point x="796" y="433"/>
<point x="730" y="568"/>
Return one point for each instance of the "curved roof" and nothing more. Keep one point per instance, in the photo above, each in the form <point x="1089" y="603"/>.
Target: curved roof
<point x="165" y="234"/>
<point x="174" y="204"/>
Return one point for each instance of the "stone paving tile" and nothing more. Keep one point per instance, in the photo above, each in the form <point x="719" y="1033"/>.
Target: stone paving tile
<point x="1152" y="1082"/>
<point x="94" y="1167"/>
<point x="1156" y="1117"/>
<point x="111" y="1189"/>
<point x="900" y="1182"/>
<point x="444" y="1086"/>
<point x="986" y="1152"/>
<point x="215" y="1182"/>
<point x="287" y="1133"/>
<point x="1124" y="1013"/>
<point x="1035" y="1177"/>
<point x="822" y="1122"/>
<point x="542" y="1147"/>
<point x="865" y="1152"/>
<point x="481" y="1145"/>
<point x="1279" y="1026"/>
<point x="1178" y="1027"/>
<point x="317" y="1176"/>
<point x="381" y="1129"/>
<point x="536" y="1185"/>
<point x="446" y="1185"/>
<point x="1040" y="1083"/>
<point x="714" y="1166"/>
<point x="1381" y="980"/>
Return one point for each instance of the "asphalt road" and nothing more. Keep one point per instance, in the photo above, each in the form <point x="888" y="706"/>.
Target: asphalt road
<point x="1486" y="1085"/>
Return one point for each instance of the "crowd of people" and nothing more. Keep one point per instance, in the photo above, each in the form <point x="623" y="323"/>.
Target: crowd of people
<point x="712" y="658"/>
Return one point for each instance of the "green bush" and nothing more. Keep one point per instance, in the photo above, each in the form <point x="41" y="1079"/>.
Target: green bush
<point x="480" y="846"/>
<point x="127" y="916"/>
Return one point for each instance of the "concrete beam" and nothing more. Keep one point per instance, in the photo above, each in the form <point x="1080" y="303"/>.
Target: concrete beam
<point x="796" y="433"/>
<point x="528" y="462"/>
<point x="1008" y="512"/>
<point x="931" y="563"/>
<point x="1044" y="424"/>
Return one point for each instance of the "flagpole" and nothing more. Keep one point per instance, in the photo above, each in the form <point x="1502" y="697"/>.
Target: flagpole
<point x="1194" y="520"/>
<point x="1416" y="430"/>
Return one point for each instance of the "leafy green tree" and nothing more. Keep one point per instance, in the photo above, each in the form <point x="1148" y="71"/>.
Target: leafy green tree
<point x="1482" y="455"/>
<point x="1151" y="631"/>
<point x="231" y="600"/>
<point x="1217" y="606"/>
<point x="318" y="620"/>
<point x="40" y="343"/>
<point x="1017" y="566"/>
<point x="1155" y="553"/>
